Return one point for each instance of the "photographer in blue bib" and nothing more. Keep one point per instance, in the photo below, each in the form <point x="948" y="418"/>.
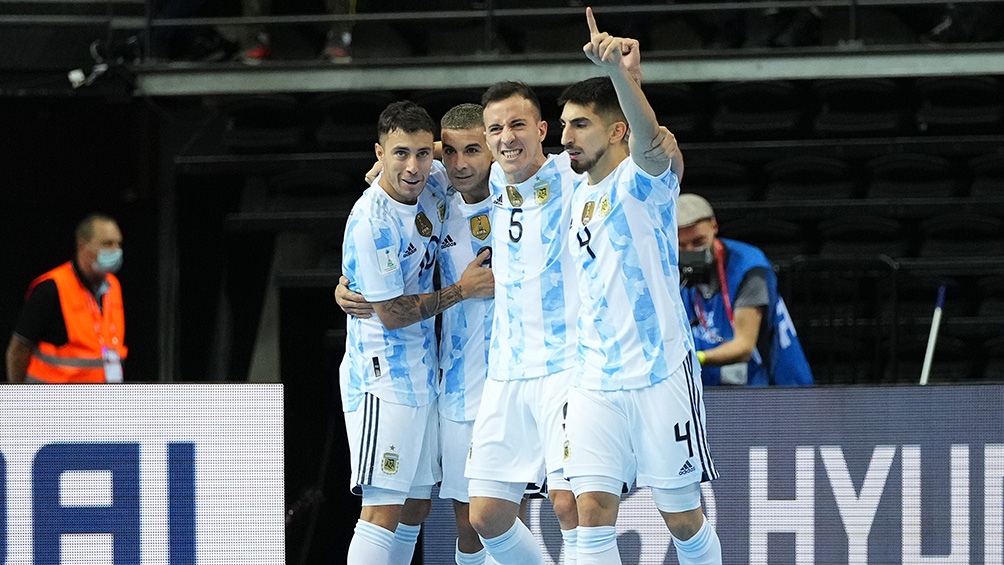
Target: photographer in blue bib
<point x="741" y="327"/>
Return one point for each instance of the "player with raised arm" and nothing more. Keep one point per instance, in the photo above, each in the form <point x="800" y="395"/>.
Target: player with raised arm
<point x="637" y="384"/>
<point x="519" y="428"/>
<point x="388" y="377"/>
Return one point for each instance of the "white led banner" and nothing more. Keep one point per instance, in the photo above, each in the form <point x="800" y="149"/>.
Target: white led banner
<point x="903" y="475"/>
<point x="153" y="474"/>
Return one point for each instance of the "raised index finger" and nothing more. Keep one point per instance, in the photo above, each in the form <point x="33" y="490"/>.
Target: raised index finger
<point x="591" y="20"/>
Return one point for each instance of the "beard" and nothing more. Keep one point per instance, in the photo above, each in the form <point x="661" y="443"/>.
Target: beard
<point x="583" y="164"/>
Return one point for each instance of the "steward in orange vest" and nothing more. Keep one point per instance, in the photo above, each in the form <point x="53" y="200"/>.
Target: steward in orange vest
<point x="72" y="326"/>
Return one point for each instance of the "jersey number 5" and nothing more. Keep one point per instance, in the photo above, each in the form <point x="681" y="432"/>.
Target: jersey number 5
<point x="515" y="227"/>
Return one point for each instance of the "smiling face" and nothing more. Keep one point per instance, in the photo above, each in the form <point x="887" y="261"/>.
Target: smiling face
<point x="514" y="132"/>
<point x="468" y="161"/>
<point x="407" y="163"/>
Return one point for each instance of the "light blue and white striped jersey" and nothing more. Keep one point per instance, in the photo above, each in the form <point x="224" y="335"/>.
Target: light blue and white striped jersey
<point x="389" y="250"/>
<point x="466" y="327"/>
<point x="536" y="300"/>
<point x="632" y="327"/>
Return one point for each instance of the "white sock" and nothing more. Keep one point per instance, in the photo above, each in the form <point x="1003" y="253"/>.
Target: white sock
<point x="702" y="549"/>
<point x="370" y="545"/>
<point x="515" y="547"/>
<point x="403" y="549"/>
<point x="568" y="550"/>
<point x="470" y="558"/>
<point x="597" y="545"/>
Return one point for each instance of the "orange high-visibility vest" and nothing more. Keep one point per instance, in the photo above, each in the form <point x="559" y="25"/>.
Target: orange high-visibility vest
<point x="90" y="331"/>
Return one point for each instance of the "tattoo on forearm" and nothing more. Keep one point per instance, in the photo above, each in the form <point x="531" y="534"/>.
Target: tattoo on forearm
<point x="414" y="308"/>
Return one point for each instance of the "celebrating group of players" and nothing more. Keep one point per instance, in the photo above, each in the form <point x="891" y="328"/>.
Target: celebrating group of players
<point x="564" y="350"/>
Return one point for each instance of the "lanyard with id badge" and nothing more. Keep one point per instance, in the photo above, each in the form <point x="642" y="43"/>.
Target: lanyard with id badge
<point x="111" y="361"/>
<point x="736" y="373"/>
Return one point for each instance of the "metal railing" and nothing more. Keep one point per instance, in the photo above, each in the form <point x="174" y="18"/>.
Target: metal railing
<point x="140" y="15"/>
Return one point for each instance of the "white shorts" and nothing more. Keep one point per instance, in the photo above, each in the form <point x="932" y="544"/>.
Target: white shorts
<point x="392" y="446"/>
<point x="653" y="436"/>
<point x="519" y="432"/>
<point x="454" y="445"/>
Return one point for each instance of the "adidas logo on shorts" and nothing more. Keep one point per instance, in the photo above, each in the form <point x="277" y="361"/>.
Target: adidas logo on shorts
<point x="410" y="251"/>
<point x="688" y="467"/>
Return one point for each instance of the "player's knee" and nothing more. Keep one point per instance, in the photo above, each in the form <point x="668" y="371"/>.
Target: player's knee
<point x="487" y="520"/>
<point x="564" y="506"/>
<point x="597" y="509"/>
<point x="683" y="525"/>
<point x="415" y="511"/>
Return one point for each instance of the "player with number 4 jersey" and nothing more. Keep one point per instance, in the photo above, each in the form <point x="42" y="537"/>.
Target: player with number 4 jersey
<point x="638" y="387"/>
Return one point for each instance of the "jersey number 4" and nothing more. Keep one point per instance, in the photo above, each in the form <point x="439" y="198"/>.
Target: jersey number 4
<point x="584" y="241"/>
<point x="684" y="436"/>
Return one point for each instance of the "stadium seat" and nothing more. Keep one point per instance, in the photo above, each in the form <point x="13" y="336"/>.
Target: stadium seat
<point x="863" y="235"/>
<point x="348" y="119"/>
<point x="954" y="360"/>
<point x="911" y="175"/>
<point x="263" y="122"/>
<point x="962" y="235"/>
<point x="960" y="104"/>
<point x="719" y="181"/>
<point x="780" y="240"/>
<point x="991" y="291"/>
<point x="858" y="107"/>
<point x="993" y="356"/>
<point x="679" y="109"/>
<point x="987" y="173"/>
<point x="809" y="177"/>
<point x="757" y="110"/>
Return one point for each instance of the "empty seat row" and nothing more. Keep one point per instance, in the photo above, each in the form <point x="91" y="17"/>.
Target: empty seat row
<point x="807" y="177"/>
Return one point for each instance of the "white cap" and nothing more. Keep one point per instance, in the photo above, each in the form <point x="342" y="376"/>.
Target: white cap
<point x="691" y="209"/>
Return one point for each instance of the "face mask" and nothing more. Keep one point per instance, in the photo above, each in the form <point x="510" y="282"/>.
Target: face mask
<point x="108" y="261"/>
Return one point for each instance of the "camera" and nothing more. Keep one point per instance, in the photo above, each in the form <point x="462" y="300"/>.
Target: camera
<point x="695" y="267"/>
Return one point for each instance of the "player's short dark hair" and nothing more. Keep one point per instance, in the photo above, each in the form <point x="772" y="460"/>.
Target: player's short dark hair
<point x="463" y="116"/>
<point x="405" y="116"/>
<point x="507" y="89"/>
<point x="597" y="92"/>
<point x="85" y="229"/>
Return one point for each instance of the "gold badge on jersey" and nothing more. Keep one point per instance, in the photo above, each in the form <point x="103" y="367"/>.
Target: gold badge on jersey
<point x="514" y="196"/>
<point x="604" y="206"/>
<point x="424" y="224"/>
<point x="542" y="192"/>
<point x="587" y="212"/>
<point x="568" y="451"/>
<point x="389" y="463"/>
<point x="481" y="227"/>
<point x="442" y="211"/>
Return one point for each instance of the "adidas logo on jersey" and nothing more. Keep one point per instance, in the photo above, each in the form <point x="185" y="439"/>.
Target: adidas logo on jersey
<point x="411" y="250"/>
<point x="687" y="468"/>
<point x="497" y="201"/>
<point x="448" y="242"/>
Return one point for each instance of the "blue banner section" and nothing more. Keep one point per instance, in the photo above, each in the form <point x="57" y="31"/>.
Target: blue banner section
<point x="121" y="517"/>
<point x="883" y="475"/>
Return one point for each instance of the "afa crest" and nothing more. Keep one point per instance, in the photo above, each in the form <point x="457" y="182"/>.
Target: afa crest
<point x="481" y="226"/>
<point x="442" y="211"/>
<point x="542" y="192"/>
<point x="424" y="224"/>
<point x="389" y="465"/>
<point x="568" y="451"/>
<point x="604" y="206"/>
<point x="514" y="196"/>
